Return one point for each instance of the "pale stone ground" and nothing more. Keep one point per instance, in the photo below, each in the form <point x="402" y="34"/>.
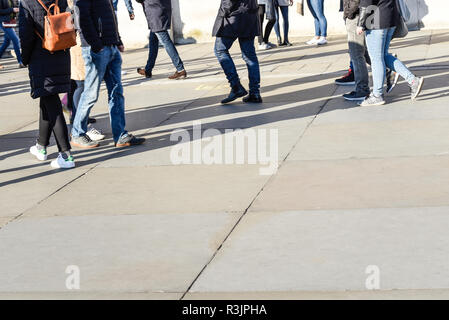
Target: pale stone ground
<point x="356" y="187"/>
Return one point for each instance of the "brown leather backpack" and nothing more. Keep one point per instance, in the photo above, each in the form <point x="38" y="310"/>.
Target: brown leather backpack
<point x="59" y="29"/>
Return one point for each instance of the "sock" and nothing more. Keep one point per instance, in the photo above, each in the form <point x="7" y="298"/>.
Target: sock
<point x="41" y="149"/>
<point x="66" y="155"/>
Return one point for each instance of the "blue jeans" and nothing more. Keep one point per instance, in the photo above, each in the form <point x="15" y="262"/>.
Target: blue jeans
<point x="164" y="38"/>
<point x="107" y="65"/>
<point x="222" y="46"/>
<point x="284" y="12"/>
<point x="77" y="97"/>
<point x="316" y="7"/>
<point x="378" y="43"/>
<point x="10" y="35"/>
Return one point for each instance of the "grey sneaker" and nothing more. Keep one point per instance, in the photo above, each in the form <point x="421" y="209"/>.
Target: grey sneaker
<point x="355" y="96"/>
<point x="416" y="87"/>
<point x="84" y="142"/>
<point x="128" y="140"/>
<point x="372" y="100"/>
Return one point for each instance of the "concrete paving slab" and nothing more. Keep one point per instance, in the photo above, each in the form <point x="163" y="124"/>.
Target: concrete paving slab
<point x="332" y="251"/>
<point x="91" y="296"/>
<point x="342" y="295"/>
<point x="153" y="190"/>
<point x="21" y="189"/>
<point x="114" y="254"/>
<point x="350" y="184"/>
<point x="373" y="140"/>
<point x="4" y="221"/>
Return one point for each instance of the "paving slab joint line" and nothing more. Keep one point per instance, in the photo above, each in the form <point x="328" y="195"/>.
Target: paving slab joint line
<point x="252" y="201"/>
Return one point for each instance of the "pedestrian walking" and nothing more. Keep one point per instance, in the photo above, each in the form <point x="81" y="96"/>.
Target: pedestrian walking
<point x="238" y="20"/>
<point x="379" y="30"/>
<point x="266" y="10"/>
<point x="282" y="6"/>
<point x="316" y="7"/>
<point x="49" y="76"/>
<point x="103" y="61"/>
<point x="8" y="12"/>
<point x="78" y="75"/>
<point x="158" y="14"/>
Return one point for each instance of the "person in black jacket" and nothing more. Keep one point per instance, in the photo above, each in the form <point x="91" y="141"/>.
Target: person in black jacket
<point x="101" y="47"/>
<point x="49" y="76"/>
<point x="379" y="18"/>
<point x="7" y="11"/>
<point x="238" y="19"/>
<point x="158" y="14"/>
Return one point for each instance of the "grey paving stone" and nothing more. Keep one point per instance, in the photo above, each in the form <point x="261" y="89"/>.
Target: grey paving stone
<point x="350" y="184"/>
<point x="114" y="254"/>
<point x="332" y="251"/>
<point x="149" y="190"/>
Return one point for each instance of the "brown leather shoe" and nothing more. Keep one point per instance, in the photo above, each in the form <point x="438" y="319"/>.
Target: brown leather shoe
<point x="144" y="73"/>
<point x="178" y="75"/>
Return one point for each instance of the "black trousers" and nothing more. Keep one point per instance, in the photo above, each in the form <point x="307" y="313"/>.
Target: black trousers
<point x="52" y="120"/>
<point x="264" y="36"/>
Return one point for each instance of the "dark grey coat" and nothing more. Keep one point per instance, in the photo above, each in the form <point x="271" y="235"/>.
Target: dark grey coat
<point x="49" y="73"/>
<point x="158" y="14"/>
<point x="237" y="19"/>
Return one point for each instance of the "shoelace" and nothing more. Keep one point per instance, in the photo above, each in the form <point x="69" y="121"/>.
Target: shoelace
<point x="94" y="131"/>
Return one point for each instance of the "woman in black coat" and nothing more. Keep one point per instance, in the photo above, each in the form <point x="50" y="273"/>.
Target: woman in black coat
<point x="49" y="75"/>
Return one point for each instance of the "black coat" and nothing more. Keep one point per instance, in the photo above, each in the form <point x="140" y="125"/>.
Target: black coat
<point x="49" y="73"/>
<point x="387" y="15"/>
<point x="237" y="19"/>
<point x="98" y="24"/>
<point x="158" y="14"/>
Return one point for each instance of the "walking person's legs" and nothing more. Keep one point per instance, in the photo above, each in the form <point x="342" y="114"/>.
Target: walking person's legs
<point x="153" y="50"/>
<point x="252" y="63"/>
<point x="284" y="11"/>
<point x="172" y="52"/>
<point x="277" y="28"/>
<point x="376" y="41"/>
<point x="96" y="64"/>
<point x="261" y="19"/>
<point x="6" y="40"/>
<point x="11" y="36"/>
<point x="222" y="46"/>
<point x="393" y="63"/>
<point x="312" y="7"/>
<point x="357" y="50"/>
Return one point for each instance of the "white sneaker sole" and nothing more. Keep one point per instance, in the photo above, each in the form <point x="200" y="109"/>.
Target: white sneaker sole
<point x="55" y="165"/>
<point x="39" y="156"/>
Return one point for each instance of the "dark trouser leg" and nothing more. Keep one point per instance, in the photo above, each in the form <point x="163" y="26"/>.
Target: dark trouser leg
<point x="77" y="96"/>
<point x="153" y="52"/>
<point x="268" y="29"/>
<point x="52" y="119"/>
<point x="357" y="51"/>
<point x="222" y="46"/>
<point x="252" y="63"/>
<point x="261" y="19"/>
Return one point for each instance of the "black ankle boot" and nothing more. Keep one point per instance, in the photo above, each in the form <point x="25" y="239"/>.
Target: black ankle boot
<point x="279" y="42"/>
<point x="253" y="98"/>
<point x="237" y="91"/>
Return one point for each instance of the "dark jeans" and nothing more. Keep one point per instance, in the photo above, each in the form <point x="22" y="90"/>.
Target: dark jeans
<point x="52" y="120"/>
<point x="222" y="46"/>
<point x="277" y="29"/>
<point x="264" y="37"/>
<point x="10" y="35"/>
<point x="75" y="96"/>
<point x="164" y="38"/>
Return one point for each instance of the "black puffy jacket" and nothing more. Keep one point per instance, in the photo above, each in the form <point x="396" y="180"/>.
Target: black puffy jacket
<point x="5" y="10"/>
<point x="158" y="14"/>
<point x="98" y="24"/>
<point x="378" y="14"/>
<point x="49" y="72"/>
<point x="237" y="18"/>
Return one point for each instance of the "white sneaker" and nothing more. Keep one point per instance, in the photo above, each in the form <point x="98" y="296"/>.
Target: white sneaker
<point x="61" y="163"/>
<point x="40" y="155"/>
<point x="94" y="134"/>
<point x="321" y="41"/>
<point x="264" y="46"/>
<point x="312" y="41"/>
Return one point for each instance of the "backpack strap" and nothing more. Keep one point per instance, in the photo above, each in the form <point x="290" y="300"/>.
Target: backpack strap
<point x="48" y="10"/>
<point x="43" y="6"/>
